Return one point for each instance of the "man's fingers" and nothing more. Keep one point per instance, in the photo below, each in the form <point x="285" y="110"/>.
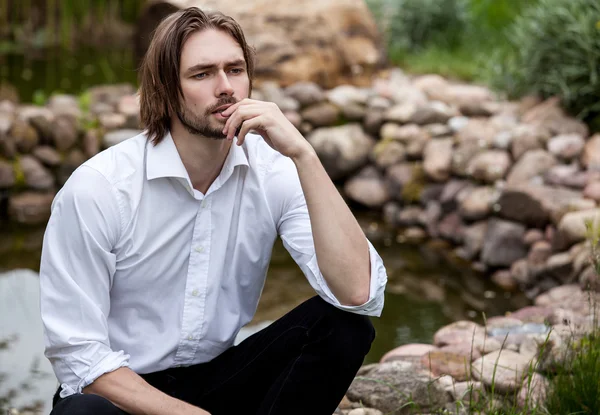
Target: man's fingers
<point x="251" y="124"/>
<point x="238" y="117"/>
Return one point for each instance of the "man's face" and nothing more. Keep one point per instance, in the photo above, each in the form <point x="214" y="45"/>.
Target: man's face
<point x="213" y="76"/>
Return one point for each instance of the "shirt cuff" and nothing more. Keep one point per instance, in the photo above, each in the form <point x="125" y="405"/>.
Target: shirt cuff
<point x="109" y="363"/>
<point x="374" y="305"/>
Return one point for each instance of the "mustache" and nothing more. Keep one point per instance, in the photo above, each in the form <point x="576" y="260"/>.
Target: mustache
<point x="221" y="102"/>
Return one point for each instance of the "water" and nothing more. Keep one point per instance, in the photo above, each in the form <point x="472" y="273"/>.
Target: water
<point x="425" y="292"/>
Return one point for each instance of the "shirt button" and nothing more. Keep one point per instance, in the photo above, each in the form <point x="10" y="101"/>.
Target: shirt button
<point x="203" y="204"/>
<point x="195" y="293"/>
<point x="200" y="249"/>
<point x="190" y="337"/>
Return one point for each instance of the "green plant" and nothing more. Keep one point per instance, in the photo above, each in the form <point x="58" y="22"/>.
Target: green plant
<point x="554" y="51"/>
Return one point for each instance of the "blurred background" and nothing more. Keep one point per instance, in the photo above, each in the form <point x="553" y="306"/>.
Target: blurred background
<point x="50" y="49"/>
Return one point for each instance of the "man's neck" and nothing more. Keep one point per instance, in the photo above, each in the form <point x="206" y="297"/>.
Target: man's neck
<point x="202" y="157"/>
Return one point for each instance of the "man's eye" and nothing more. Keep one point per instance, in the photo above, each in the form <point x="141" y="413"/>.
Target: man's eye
<point x="200" y="75"/>
<point x="237" y="70"/>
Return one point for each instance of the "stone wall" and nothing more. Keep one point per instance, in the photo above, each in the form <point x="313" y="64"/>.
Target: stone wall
<point x="508" y="185"/>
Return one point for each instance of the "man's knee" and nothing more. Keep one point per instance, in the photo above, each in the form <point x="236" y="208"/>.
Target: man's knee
<point x="86" y="404"/>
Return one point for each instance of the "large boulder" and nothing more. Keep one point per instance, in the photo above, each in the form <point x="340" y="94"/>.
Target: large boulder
<point x="531" y="165"/>
<point x="367" y="188"/>
<point x="397" y="387"/>
<point x="504" y="369"/>
<point x="342" y="149"/>
<point x="503" y="243"/>
<point x="325" y="41"/>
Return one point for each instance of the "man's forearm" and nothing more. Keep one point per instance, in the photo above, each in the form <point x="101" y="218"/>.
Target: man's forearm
<point x="131" y="393"/>
<point x="340" y="244"/>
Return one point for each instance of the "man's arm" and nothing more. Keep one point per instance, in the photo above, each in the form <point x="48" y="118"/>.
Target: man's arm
<point x="76" y="271"/>
<point x="130" y="392"/>
<point x="340" y="245"/>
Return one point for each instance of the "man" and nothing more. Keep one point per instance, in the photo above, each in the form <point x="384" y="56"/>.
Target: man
<point x="156" y="251"/>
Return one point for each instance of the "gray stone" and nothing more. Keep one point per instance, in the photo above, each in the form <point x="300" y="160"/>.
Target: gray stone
<point x="462" y="155"/>
<point x="367" y="188"/>
<point x="438" y="159"/>
<point x="30" y="208"/>
<point x="91" y="143"/>
<point x="47" y="155"/>
<point x="450" y="195"/>
<point x="533" y="392"/>
<point x="489" y="165"/>
<point x="504" y="243"/>
<point x="478" y="203"/>
<point x="457" y="332"/>
<point x="591" y="153"/>
<point x="112" y="121"/>
<point x="344" y="95"/>
<point x="321" y="115"/>
<point x="526" y="138"/>
<point x="25" y="136"/>
<point x="410" y="216"/>
<point x="395" y="385"/>
<point x="306" y="93"/>
<point x="410" y="352"/>
<point x="566" y="146"/>
<point x="342" y="150"/>
<point x="504" y="369"/>
<point x="539" y="253"/>
<point x="451" y="227"/>
<point x="438" y="130"/>
<point x="354" y="112"/>
<point x="7" y="175"/>
<point x="403" y="133"/>
<point x="65" y="105"/>
<point x="532" y="164"/>
<point x="536" y="205"/>
<point x="573" y="227"/>
<point x="567" y="175"/>
<point x="64" y="133"/>
<point x="36" y="176"/>
<point x="387" y="153"/>
<point x="474" y="237"/>
<point x="373" y="121"/>
<point x="434" y="113"/>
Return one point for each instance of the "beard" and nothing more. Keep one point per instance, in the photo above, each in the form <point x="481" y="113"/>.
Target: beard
<point x="201" y="124"/>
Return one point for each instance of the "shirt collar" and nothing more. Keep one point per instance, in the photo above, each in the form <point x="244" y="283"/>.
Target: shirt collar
<point x="163" y="160"/>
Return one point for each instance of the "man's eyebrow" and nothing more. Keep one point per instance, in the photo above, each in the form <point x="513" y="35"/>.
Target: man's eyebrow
<point x="202" y="67"/>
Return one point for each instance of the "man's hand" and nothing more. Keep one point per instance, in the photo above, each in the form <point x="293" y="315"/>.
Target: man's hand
<point x="267" y="119"/>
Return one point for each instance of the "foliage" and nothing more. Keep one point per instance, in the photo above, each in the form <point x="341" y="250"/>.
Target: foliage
<point x="555" y="50"/>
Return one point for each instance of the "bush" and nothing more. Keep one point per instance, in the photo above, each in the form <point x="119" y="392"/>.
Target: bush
<point x="415" y="24"/>
<point x="555" y="51"/>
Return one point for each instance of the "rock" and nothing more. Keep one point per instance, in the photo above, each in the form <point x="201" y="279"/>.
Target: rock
<point x="272" y="92"/>
<point x="533" y="392"/>
<point x="8" y="146"/>
<point x="589" y="279"/>
<point x="410" y="352"/>
<point x="502" y="140"/>
<point x="25" y="136"/>
<point x="321" y="115"/>
<point x="550" y="116"/>
<point x="473" y="239"/>
<point x="379" y="103"/>
<point x="342" y="149"/>
<point x="532" y="236"/>
<point x="462" y="156"/>
<point x="504" y="369"/>
<point x="373" y="121"/>
<point x="566" y="176"/>
<point x="413" y="235"/>
<point x="365" y="411"/>
<point x="91" y="143"/>
<point x="431" y="192"/>
<point x="410" y="216"/>
<point x="30" y="208"/>
<point x="478" y="130"/>
<point x="489" y="165"/>
<point x="387" y="153"/>
<point x="405" y="133"/>
<point x="457" y="123"/>
<point x="539" y="253"/>
<point x="129" y="106"/>
<point x="294" y="118"/>
<point x="36" y="176"/>
<point x="47" y="155"/>
<point x="437" y="130"/>
<point x="536" y="205"/>
<point x="478" y="203"/>
<point x="390" y="212"/>
<point x="532" y="314"/>
<point x="454" y="360"/>
<point x="367" y="188"/>
<point x="74" y="159"/>
<point x="433" y="213"/>
<point x="573" y="227"/>
<point x="29" y="112"/>
<point x="438" y="159"/>
<point x="354" y="112"/>
<point x="559" y="267"/>
<point x="397" y="384"/>
<point x="44" y="127"/>
<point x="400" y="114"/>
<point x="398" y="176"/>
<point x="531" y="165"/>
<point x="451" y="193"/>
<point x="64" y="133"/>
<point x="521" y="273"/>
<point x="415" y="149"/>
<point x="590" y="158"/>
<point x="503" y="243"/>
<point x="345" y="95"/>
<point x="457" y="332"/>
<point x="7" y="175"/>
<point x="467" y="392"/>
<point x="306" y="93"/>
<point x="451" y="228"/>
<point x="435" y="112"/>
<point x="566" y="146"/>
<point x="503" y="278"/>
<point x="64" y="105"/>
<point x="431" y="85"/>
<point x="112" y="121"/>
<point x="526" y="138"/>
<point x="115" y="137"/>
<point x="592" y="191"/>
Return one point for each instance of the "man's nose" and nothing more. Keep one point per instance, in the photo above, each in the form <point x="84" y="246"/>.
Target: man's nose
<point x="223" y="85"/>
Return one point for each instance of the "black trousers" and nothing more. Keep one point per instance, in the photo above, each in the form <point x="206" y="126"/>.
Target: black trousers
<point x="302" y="363"/>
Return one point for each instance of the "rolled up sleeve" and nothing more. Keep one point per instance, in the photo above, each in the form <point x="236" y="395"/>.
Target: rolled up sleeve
<point x="76" y="272"/>
<point x="293" y="224"/>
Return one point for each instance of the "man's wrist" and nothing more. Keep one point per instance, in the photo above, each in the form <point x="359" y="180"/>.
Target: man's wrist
<point x="306" y="155"/>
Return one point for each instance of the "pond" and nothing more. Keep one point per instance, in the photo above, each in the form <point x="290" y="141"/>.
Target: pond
<point x="426" y="290"/>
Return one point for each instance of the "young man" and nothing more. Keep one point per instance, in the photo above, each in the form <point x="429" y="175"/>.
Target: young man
<point x="157" y="249"/>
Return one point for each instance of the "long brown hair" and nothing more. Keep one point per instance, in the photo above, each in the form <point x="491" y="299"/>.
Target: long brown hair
<point x="160" y="89"/>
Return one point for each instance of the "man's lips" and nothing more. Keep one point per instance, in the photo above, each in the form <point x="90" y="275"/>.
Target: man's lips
<point x="222" y="108"/>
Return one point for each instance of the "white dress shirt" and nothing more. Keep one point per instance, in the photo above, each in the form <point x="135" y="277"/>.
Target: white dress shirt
<point x="141" y="270"/>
